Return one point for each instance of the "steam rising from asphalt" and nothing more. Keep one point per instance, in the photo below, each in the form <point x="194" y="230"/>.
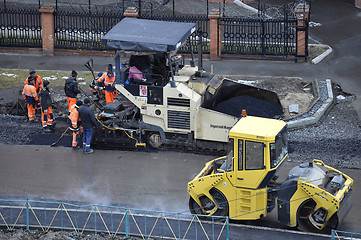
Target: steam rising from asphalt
<point x="94" y="193"/>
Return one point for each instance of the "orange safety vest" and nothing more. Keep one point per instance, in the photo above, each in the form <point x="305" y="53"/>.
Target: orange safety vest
<point x="38" y="83"/>
<point x="74" y="117"/>
<point x="30" y="95"/>
<point x="108" y="82"/>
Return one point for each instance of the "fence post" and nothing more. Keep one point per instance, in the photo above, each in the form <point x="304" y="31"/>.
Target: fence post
<point x="131" y="12"/>
<point x="47" y="26"/>
<point x="126" y="224"/>
<point x="302" y="11"/>
<point x="227" y="228"/>
<point x="215" y="35"/>
<point x="333" y="234"/>
<point x="27" y="215"/>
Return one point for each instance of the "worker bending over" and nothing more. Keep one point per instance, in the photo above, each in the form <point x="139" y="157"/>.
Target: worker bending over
<point x="108" y="79"/>
<point x="75" y="123"/>
<point x="71" y="89"/>
<point x="38" y="81"/>
<point x="31" y="97"/>
<point x="97" y="88"/>
<point x="46" y="112"/>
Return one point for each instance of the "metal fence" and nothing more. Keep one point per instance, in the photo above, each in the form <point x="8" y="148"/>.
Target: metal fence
<point x="268" y="38"/>
<point x="20" y="28"/>
<point x="341" y="235"/>
<point x="110" y="220"/>
<point x="81" y="27"/>
<point x="82" y="30"/>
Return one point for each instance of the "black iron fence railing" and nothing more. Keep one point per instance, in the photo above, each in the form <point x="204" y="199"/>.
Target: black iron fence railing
<point x="82" y="31"/>
<point x="77" y="27"/>
<point x="260" y="37"/>
<point x="20" y="28"/>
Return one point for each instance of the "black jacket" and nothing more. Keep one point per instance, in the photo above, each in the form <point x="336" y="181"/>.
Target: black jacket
<point x="71" y="88"/>
<point x="45" y="98"/>
<point x="87" y="117"/>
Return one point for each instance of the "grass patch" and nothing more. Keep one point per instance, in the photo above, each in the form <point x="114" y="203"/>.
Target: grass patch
<point x="12" y="78"/>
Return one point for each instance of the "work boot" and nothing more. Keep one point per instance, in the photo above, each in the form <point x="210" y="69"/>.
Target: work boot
<point x="90" y="151"/>
<point x="52" y="126"/>
<point x="47" y="130"/>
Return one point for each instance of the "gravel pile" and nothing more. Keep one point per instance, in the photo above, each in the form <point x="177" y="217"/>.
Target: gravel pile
<point x="29" y="235"/>
<point x="336" y="141"/>
<point x="17" y="130"/>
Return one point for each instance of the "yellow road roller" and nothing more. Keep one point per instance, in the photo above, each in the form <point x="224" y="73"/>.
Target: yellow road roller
<point x="244" y="184"/>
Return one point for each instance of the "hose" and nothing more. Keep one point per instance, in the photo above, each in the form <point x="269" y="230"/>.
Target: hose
<point x="110" y="128"/>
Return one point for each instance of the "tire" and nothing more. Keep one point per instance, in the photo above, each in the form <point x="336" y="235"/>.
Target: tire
<point x="154" y="140"/>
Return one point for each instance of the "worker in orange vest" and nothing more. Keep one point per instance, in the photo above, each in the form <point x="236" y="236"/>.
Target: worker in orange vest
<point x="38" y="81"/>
<point x="108" y="79"/>
<point x="31" y="97"/>
<point x="75" y="123"/>
<point x="46" y="112"/>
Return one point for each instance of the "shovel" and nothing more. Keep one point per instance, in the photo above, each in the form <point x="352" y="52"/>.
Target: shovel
<point x="62" y="135"/>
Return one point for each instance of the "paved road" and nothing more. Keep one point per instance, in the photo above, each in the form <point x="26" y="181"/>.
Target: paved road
<point x="138" y="179"/>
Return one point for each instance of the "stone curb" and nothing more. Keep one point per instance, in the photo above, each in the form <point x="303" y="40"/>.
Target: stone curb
<point x="320" y="57"/>
<point x="319" y="114"/>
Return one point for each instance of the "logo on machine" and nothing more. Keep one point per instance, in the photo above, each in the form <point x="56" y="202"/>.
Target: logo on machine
<point x="219" y="126"/>
<point x="143" y="91"/>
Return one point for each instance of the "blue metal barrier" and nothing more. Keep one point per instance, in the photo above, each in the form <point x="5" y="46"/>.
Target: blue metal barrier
<point x="338" y="235"/>
<point x="111" y="220"/>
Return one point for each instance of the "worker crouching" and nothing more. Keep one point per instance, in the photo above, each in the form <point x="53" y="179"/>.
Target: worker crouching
<point x="45" y="103"/>
<point x="75" y="123"/>
<point x="31" y="97"/>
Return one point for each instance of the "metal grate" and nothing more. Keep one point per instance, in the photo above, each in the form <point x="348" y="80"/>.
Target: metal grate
<point x="178" y="119"/>
<point x="179" y="102"/>
<point x="20" y="28"/>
